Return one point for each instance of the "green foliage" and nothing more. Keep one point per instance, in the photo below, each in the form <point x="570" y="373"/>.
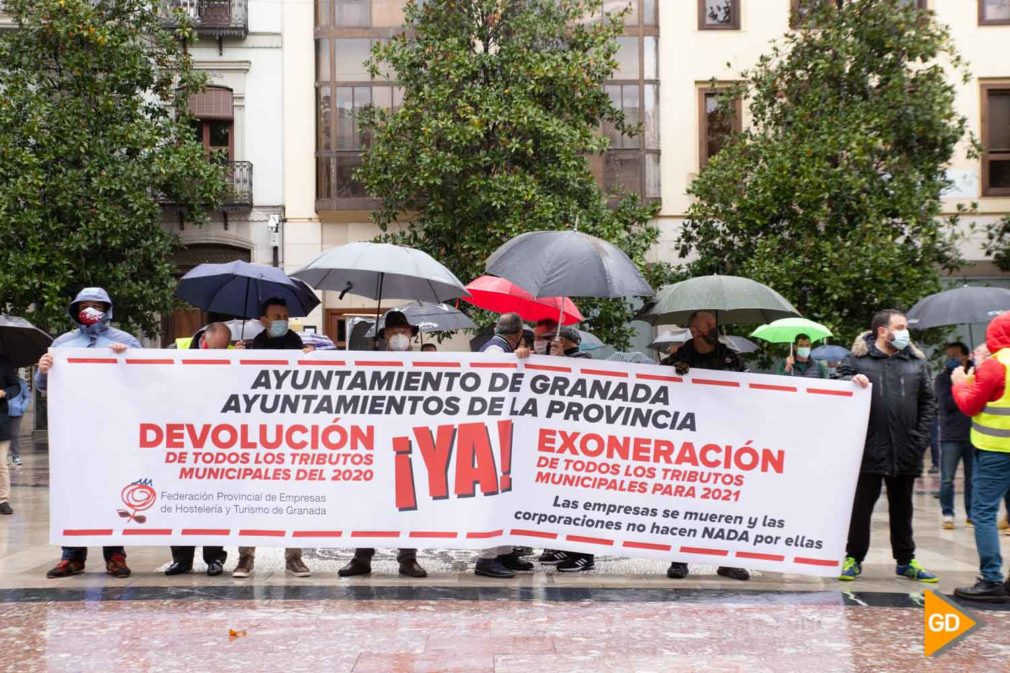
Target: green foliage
<point x="832" y="195"/>
<point x="503" y="101"/>
<point x="997" y="244"/>
<point x="89" y="139"/>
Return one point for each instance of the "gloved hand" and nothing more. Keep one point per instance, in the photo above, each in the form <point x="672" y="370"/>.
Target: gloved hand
<point x="681" y="368"/>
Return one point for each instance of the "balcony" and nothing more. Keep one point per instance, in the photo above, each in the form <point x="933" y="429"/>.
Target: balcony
<point x="216" y="19"/>
<point x="239" y="194"/>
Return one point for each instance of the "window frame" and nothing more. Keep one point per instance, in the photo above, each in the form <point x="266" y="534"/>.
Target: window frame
<point x="704" y="90"/>
<point x="734" y="22"/>
<point x="985" y="154"/>
<point x="983" y="21"/>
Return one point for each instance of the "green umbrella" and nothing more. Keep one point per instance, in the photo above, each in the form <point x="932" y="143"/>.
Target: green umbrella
<point x="732" y="299"/>
<point x="786" y="330"/>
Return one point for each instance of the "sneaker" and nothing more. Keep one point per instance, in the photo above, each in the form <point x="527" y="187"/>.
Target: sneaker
<point x="934" y="470"/>
<point x="914" y="571"/>
<point x="552" y="557"/>
<point x="740" y="574"/>
<point x="948" y="523"/>
<point x="984" y="590"/>
<point x="677" y="571"/>
<point x="246" y="562"/>
<point x="178" y="568"/>
<point x="116" y="566"/>
<point x="215" y="568"/>
<point x="492" y="567"/>
<point x="577" y="563"/>
<point x="296" y="566"/>
<point x="5" y="508"/>
<point x="513" y="562"/>
<point x="66" y="569"/>
<point x="851" y="569"/>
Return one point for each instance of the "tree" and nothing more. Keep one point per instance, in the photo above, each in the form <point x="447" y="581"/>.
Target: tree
<point x="997" y="243"/>
<point x="832" y="194"/>
<point x="503" y="101"/>
<point x="93" y="132"/>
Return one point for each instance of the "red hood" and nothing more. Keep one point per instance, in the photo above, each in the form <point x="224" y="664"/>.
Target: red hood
<point x="997" y="335"/>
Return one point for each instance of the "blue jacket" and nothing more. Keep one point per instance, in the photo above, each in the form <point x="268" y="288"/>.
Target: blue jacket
<point x="9" y="383"/>
<point x="99" y="335"/>
<point x="18" y="405"/>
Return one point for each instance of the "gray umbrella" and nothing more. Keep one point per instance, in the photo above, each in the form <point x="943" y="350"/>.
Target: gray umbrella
<point x="429" y="317"/>
<point x="732" y="299"/>
<point x="739" y="344"/>
<point x="567" y="264"/>
<point x="961" y="306"/>
<point x="21" y="342"/>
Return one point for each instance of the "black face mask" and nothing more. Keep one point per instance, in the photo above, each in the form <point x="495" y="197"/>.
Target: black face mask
<point x="711" y="337"/>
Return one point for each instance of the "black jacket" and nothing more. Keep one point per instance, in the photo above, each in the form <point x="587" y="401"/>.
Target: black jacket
<point x="902" y="408"/>
<point x="290" y="341"/>
<point x="954" y="426"/>
<point x="12" y="388"/>
<point x="576" y="353"/>
<point x="721" y="359"/>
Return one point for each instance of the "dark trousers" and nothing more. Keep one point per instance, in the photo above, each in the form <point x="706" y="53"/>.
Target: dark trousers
<point x="402" y="555"/>
<point x="951" y="454"/>
<point x="899" y="503"/>
<point x="210" y="554"/>
<point x="81" y="553"/>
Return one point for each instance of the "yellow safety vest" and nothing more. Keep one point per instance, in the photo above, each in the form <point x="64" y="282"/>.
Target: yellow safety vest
<point x="990" y="430"/>
<point x="183" y="343"/>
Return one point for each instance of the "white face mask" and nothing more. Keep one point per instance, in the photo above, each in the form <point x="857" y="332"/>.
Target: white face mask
<point x="803" y="351"/>
<point x="399" y="342"/>
<point x="900" y="339"/>
<point x="540" y="345"/>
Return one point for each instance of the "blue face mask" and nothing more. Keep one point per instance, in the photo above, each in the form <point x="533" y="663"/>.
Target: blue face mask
<point x="952" y="364"/>
<point x="278" y="328"/>
<point x="900" y="339"/>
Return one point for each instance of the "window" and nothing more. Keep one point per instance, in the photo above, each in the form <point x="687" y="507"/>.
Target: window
<point x="213" y="122"/>
<point x="715" y="124"/>
<point x="993" y="12"/>
<point x="718" y="14"/>
<point x="996" y="139"/>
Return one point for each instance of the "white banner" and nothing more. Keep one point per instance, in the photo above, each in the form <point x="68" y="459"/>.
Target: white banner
<point x="345" y="449"/>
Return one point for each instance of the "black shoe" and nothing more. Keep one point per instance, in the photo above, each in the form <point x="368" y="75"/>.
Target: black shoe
<point x="492" y="567"/>
<point x="934" y="469"/>
<point x="411" y="568"/>
<point x="215" y="568"/>
<point x="552" y="557"/>
<point x="5" y="508"/>
<point x="734" y="573"/>
<point x="984" y="591"/>
<point x="577" y="563"/>
<point x="677" y="571"/>
<point x="178" y="568"/>
<point x="523" y="551"/>
<point x="355" y="567"/>
<point x="513" y="562"/>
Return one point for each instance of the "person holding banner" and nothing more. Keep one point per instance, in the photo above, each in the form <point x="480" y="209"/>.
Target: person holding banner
<point x="396" y="333"/>
<point x="705" y="351"/>
<point x="503" y="562"/>
<point x="91" y="311"/>
<point x="216" y="335"/>
<point x="902" y="410"/>
<point x="276" y="336"/>
<point x="985" y="396"/>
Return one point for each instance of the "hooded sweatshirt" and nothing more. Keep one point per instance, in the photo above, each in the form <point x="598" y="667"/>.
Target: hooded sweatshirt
<point x="989" y="378"/>
<point x="99" y="335"/>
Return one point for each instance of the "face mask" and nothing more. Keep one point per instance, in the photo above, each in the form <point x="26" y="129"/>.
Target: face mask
<point x="90" y="316"/>
<point x="399" y="342"/>
<point x="953" y="363"/>
<point x="711" y="337"/>
<point x="803" y="352"/>
<point x="540" y="345"/>
<point x="900" y="339"/>
<point x="278" y="328"/>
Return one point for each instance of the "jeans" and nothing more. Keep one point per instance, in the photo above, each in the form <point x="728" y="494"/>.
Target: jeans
<point x="990" y="485"/>
<point x="951" y="453"/>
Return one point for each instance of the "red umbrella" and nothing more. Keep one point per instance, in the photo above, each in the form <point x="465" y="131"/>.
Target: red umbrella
<point x="502" y="296"/>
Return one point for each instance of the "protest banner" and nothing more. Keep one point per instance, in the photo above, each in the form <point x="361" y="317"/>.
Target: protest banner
<point x="456" y="450"/>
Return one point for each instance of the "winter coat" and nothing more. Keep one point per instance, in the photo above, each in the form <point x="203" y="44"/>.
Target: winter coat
<point x="18" y="405"/>
<point x="902" y="408"/>
<point x="954" y="426"/>
<point x="989" y="378"/>
<point x="10" y="383"/>
<point x="99" y="335"/>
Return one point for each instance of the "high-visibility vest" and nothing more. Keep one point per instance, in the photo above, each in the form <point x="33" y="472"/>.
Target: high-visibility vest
<point x="990" y="430"/>
<point x="183" y="343"/>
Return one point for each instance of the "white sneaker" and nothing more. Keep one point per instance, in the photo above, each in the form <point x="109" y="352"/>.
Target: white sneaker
<point x="948" y="523"/>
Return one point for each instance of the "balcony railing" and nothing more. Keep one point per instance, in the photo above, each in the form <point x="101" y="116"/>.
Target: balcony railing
<point x="213" y="18"/>
<point x="239" y="191"/>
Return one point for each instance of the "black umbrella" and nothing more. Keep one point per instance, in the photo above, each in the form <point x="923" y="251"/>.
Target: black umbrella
<point x="961" y="306"/>
<point x="22" y="342"/>
<point x="431" y="317"/>
<point x="239" y="288"/>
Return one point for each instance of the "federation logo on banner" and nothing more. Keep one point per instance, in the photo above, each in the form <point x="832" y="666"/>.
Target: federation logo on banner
<point x="138" y="496"/>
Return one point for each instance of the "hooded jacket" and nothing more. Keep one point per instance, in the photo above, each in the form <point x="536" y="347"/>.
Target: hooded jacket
<point x="99" y="335"/>
<point x="989" y="378"/>
<point x="901" y="411"/>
